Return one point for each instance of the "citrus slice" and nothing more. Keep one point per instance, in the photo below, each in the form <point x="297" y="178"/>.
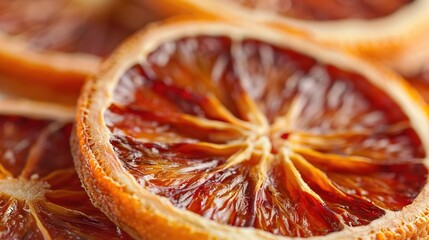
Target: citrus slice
<point x="380" y="29"/>
<point x="210" y="129"/>
<point x="40" y="193"/>
<point x="48" y="46"/>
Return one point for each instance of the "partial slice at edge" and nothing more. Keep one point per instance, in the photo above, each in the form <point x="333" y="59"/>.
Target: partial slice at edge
<point x="51" y="46"/>
<point x="400" y="28"/>
<point x="41" y="196"/>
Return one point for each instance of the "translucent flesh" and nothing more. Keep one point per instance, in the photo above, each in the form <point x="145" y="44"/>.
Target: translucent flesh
<point x="41" y="195"/>
<point x="327" y="9"/>
<point x="71" y="25"/>
<point x="253" y="135"/>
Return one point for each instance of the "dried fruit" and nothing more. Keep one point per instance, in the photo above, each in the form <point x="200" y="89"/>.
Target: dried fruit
<point x="51" y="46"/>
<point x="40" y="193"/>
<point x="208" y="128"/>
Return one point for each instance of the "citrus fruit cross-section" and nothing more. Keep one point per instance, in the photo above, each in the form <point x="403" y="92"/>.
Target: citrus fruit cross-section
<point x="378" y="28"/>
<point x="212" y="129"/>
<point x="327" y="10"/>
<point x="52" y="45"/>
<point x="40" y="193"/>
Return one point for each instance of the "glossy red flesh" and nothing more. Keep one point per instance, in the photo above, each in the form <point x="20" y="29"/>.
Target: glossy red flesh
<point x="253" y="135"/>
<point x="37" y="152"/>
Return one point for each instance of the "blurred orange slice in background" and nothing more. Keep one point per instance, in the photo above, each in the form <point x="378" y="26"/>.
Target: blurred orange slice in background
<point x="377" y="28"/>
<point x="48" y="47"/>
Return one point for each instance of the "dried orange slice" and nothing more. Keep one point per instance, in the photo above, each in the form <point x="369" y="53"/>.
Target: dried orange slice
<point x="378" y="28"/>
<point x="210" y="129"/>
<point x="40" y="193"/>
<point x="49" y="46"/>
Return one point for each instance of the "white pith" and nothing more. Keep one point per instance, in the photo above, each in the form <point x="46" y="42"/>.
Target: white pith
<point x="23" y="189"/>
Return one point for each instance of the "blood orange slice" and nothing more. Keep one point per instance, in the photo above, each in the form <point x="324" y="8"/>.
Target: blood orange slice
<point x="52" y="45"/>
<point x="205" y="129"/>
<point x="380" y="29"/>
<point x="40" y="193"/>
